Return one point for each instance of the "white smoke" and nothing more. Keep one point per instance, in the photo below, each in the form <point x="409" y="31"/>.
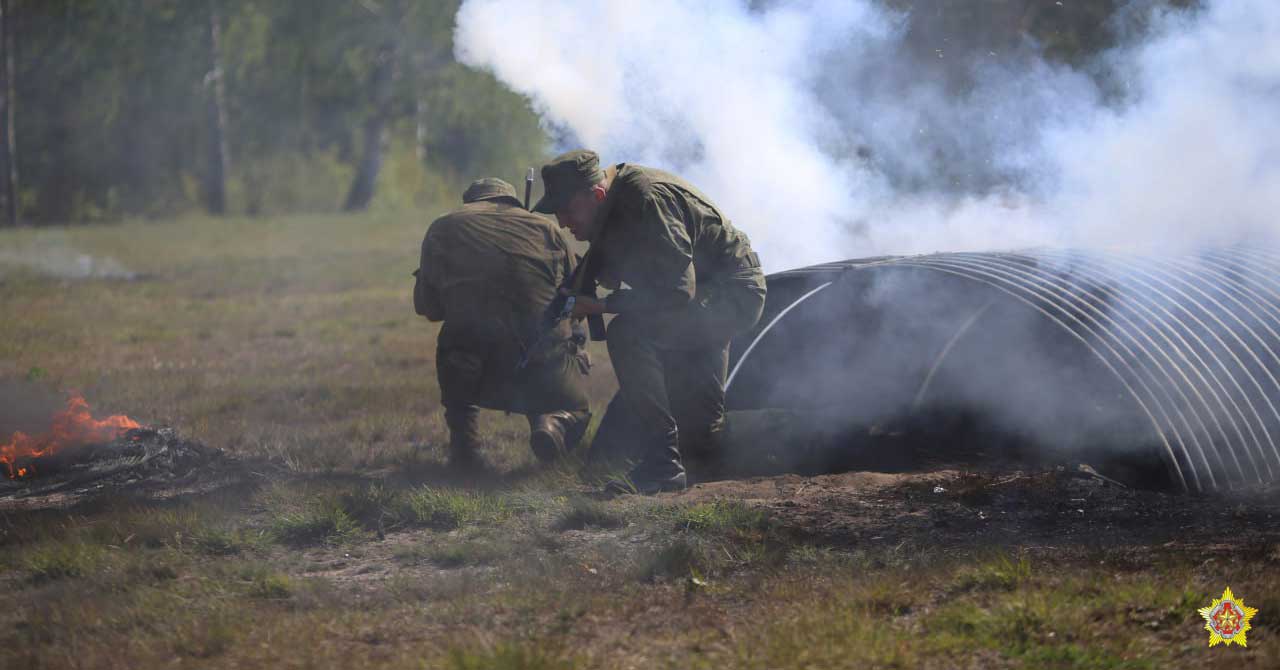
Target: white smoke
<point x="812" y="125"/>
<point x="50" y="253"/>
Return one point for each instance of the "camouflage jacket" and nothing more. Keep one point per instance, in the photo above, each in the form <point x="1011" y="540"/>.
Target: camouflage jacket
<point x="664" y="239"/>
<point x="492" y="266"/>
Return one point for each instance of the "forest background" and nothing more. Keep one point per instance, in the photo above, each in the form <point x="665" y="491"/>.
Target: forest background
<point x="118" y="109"/>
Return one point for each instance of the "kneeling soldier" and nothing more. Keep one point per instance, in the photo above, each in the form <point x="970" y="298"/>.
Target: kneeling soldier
<point x="487" y="270"/>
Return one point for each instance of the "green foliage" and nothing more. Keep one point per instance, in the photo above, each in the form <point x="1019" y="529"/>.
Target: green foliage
<point x="283" y="181"/>
<point x="114" y="101"/>
<point x="114" y="97"/>
<point x="481" y="126"/>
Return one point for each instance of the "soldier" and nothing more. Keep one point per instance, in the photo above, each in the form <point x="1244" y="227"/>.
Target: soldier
<point x="692" y="283"/>
<point x="487" y="270"/>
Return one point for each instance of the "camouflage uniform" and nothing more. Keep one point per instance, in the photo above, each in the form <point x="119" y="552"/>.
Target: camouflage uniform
<point x="487" y="270"/>
<point x="692" y="283"/>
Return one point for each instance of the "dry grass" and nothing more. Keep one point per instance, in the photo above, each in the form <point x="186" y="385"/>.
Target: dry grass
<point x="294" y="340"/>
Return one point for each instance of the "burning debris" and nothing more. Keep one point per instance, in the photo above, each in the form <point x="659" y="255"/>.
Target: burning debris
<point x="81" y="456"/>
<point x="74" y="426"/>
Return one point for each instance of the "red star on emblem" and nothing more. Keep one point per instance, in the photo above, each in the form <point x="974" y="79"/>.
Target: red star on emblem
<point x="1227" y="619"/>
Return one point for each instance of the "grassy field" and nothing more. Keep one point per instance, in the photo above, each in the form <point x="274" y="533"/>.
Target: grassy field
<point x="293" y="343"/>
<point x="294" y="338"/>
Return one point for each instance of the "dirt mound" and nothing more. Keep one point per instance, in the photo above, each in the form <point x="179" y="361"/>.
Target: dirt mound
<point x="1053" y="509"/>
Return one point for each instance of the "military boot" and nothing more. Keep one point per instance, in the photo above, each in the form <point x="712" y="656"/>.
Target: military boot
<point x="661" y="470"/>
<point x="702" y="451"/>
<point x="556" y="434"/>
<point x="464" y="437"/>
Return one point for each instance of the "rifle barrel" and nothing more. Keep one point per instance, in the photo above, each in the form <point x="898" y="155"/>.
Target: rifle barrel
<point x="528" y="187"/>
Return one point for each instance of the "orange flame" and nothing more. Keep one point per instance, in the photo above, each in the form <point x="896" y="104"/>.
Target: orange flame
<point x="73" y="426"/>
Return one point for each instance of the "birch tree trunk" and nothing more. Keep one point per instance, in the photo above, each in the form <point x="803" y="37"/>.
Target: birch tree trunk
<point x="376" y="131"/>
<point x="219" y="154"/>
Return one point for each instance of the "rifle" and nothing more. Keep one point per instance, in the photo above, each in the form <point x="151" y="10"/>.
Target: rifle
<point x="528" y="187"/>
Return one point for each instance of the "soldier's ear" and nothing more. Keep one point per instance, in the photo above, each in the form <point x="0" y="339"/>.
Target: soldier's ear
<point x="598" y="192"/>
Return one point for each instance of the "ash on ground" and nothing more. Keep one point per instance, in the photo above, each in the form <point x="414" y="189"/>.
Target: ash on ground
<point x="152" y="462"/>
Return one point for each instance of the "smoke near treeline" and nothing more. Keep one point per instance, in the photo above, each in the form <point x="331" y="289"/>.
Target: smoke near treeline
<point x="833" y="128"/>
<point x="826" y="129"/>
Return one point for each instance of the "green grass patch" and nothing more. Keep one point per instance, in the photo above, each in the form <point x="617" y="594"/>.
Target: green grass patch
<point x="511" y="656"/>
<point x="846" y="628"/>
<point x="587" y="513"/>
<point x="1000" y="574"/>
<point x="445" y="508"/>
<point x="208" y="637"/>
<point x="260" y="581"/>
<point x="225" y="541"/>
<point x="377" y="507"/>
<point x="683" y="558"/>
<point x="56" y="560"/>
<point x="322" y="521"/>
<point x="272" y="586"/>
<point x="714" y="538"/>
<point x="469" y="552"/>
<point x="722" y="517"/>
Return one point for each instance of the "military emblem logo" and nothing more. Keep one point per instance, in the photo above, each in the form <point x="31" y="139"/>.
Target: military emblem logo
<point x="1227" y="620"/>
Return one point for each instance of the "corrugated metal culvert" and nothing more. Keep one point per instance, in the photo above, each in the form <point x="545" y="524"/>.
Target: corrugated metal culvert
<point x="1097" y="353"/>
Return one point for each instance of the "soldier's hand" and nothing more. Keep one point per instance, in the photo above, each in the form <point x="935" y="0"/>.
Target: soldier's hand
<point x="587" y="306"/>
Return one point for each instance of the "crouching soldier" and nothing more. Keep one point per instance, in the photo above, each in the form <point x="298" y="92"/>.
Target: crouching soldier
<point x="487" y="270"/>
<point x="692" y="283"/>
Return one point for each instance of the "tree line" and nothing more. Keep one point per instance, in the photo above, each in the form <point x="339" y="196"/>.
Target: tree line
<point x="114" y="108"/>
<point x="157" y="107"/>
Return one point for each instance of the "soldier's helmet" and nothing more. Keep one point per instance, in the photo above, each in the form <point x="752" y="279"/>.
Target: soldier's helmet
<point x="490" y="188"/>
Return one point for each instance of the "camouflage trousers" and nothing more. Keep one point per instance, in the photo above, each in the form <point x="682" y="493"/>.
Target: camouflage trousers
<point x="480" y="368"/>
<point x="671" y="369"/>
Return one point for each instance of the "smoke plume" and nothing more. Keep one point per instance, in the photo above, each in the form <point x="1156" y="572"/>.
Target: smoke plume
<point x="26" y="407"/>
<point x="820" y="129"/>
<point x="50" y="253"/>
